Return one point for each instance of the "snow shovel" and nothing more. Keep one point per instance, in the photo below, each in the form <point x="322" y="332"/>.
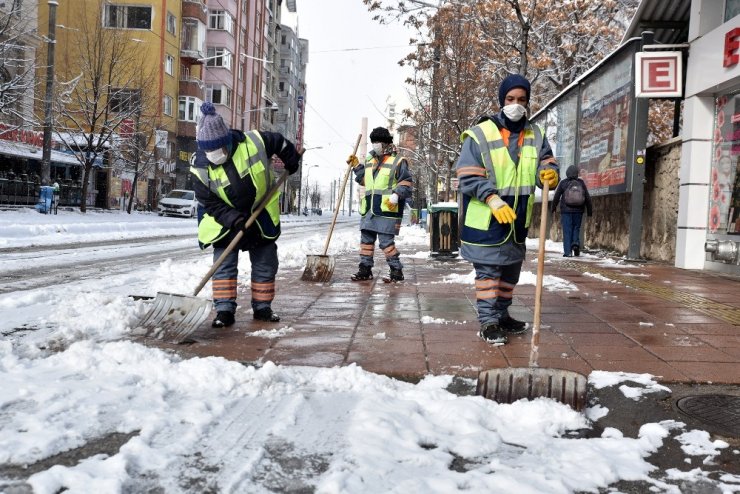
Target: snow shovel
<point x="320" y="267"/>
<point x="511" y="384"/>
<point x="175" y="317"/>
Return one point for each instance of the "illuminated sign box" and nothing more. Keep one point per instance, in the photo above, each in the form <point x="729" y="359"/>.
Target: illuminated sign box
<point x="659" y="74"/>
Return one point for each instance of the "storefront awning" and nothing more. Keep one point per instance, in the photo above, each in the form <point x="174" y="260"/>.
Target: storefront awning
<point x="20" y="150"/>
<point x="668" y="19"/>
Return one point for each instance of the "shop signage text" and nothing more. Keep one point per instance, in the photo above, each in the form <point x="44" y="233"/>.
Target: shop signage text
<point x="8" y="133"/>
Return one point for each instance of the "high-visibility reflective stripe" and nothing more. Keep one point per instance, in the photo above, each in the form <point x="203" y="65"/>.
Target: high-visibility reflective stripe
<point x="263" y="292"/>
<point x="521" y="190"/>
<point x="367" y="249"/>
<point x="485" y="146"/>
<point x="390" y="251"/>
<point x="486" y="294"/>
<point x="471" y="170"/>
<point x="202" y="175"/>
<point x="485" y="283"/>
<point x="224" y="288"/>
<point x="506" y="290"/>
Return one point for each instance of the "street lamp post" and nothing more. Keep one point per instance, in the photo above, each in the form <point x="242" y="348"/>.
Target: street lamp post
<point x="46" y="152"/>
<point x="300" y="185"/>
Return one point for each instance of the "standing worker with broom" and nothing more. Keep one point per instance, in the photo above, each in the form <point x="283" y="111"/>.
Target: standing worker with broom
<point x="233" y="174"/>
<point x="387" y="181"/>
<point x="502" y="160"/>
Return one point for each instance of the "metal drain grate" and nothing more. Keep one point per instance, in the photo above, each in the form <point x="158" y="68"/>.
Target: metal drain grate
<point x="720" y="411"/>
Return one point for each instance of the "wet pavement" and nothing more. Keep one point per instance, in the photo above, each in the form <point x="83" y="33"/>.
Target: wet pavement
<point x="680" y="326"/>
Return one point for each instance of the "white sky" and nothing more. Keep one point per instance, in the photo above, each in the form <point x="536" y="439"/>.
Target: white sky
<point x="344" y="86"/>
<point x="76" y="377"/>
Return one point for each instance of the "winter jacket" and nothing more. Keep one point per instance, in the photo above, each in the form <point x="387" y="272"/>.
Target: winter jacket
<point x="572" y="174"/>
<point x="241" y="191"/>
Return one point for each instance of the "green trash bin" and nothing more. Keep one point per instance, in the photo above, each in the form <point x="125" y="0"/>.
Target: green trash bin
<point x="444" y="232"/>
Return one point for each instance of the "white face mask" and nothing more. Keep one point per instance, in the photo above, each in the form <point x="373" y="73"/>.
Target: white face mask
<point x="217" y="157"/>
<point x="514" y="112"/>
<point x="378" y="147"/>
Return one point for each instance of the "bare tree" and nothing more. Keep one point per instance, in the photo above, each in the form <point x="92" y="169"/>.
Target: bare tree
<point x="102" y="91"/>
<point x="18" y="44"/>
<point x="315" y="196"/>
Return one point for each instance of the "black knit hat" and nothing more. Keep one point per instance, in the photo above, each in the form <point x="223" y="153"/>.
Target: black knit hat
<point x="511" y="82"/>
<point x="212" y="131"/>
<point x="381" y="134"/>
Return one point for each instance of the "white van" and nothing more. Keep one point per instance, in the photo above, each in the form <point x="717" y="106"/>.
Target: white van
<point x="178" y="203"/>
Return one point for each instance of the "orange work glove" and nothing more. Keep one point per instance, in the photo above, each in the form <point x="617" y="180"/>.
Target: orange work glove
<point x="501" y="211"/>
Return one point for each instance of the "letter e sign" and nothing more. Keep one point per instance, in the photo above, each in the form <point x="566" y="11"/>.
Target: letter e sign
<point x="658" y="74"/>
<point x="731" y="45"/>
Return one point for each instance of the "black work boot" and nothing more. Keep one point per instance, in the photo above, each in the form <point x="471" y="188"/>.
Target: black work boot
<point x="266" y="315"/>
<point x="492" y="333"/>
<point x="576" y="250"/>
<point x="365" y="273"/>
<point x="512" y="326"/>
<point x="396" y="275"/>
<point x="223" y="319"/>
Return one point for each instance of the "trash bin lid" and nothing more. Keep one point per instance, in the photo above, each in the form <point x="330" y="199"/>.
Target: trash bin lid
<point x="443" y="206"/>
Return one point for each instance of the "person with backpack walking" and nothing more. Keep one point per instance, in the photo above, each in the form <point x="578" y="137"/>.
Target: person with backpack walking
<point x="504" y="158"/>
<point x="573" y="197"/>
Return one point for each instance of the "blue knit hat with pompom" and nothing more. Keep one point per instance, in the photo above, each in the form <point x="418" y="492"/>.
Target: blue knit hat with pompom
<point x="212" y="131"/>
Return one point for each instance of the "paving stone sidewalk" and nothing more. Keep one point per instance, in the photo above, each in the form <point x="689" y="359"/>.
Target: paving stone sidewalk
<point x="681" y="326"/>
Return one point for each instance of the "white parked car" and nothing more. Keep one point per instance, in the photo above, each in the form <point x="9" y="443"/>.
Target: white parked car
<point x="178" y="203"/>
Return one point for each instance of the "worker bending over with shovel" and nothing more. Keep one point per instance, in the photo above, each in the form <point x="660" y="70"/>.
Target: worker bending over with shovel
<point x="503" y="159"/>
<point x="232" y="175"/>
<point x="387" y="181"/>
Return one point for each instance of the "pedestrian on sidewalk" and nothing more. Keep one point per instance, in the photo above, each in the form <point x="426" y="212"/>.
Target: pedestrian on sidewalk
<point x="233" y="173"/>
<point x="503" y="159"/>
<point x="573" y="197"/>
<point x="387" y="181"/>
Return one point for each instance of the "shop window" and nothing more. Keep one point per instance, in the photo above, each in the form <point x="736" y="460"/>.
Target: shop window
<point x="724" y="191"/>
<point x="127" y="17"/>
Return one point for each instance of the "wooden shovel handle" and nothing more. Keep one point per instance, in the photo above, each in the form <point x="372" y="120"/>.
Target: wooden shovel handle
<point x="237" y="238"/>
<point x="341" y="196"/>
<point x="534" y="350"/>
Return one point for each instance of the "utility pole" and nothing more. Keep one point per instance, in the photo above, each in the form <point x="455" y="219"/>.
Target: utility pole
<point x="51" y="42"/>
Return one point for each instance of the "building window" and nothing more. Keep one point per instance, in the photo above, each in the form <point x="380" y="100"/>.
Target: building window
<point x="732" y="9"/>
<point x="171" y="23"/>
<point x="282" y="39"/>
<point x="124" y="100"/>
<point x="222" y="20"/>
<point x="218" y="57"/>
<point x="281" y="87"/>
<point x="188" y="108"/>
<point x="167" y="105"/>
<point x="218" y="94"/>
<point x="127" y="17"/>
<point x="169" y="64"/>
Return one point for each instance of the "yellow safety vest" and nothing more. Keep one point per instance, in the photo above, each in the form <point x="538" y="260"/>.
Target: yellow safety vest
<point x="379" y="187"/>
<point x="250" y="159"/>
<point x="515" y="183"/>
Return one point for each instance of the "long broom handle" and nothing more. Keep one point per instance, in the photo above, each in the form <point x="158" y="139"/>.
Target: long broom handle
<point x="240" y="233"/>
<point x="535" y="349"/>
<point x="341" y="196"/>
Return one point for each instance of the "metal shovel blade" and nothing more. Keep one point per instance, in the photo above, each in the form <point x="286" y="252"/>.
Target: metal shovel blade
<point x="318" y="268"/>
<point x="174" y="317"/>
<point x="514" y="383"/>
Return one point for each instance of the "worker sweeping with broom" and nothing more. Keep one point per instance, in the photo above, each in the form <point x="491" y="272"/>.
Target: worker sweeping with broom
<point x="387" y="181"/>
<point x="233" y="176"/>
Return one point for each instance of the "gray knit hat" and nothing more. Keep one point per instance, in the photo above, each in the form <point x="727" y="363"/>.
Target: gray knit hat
<point x="212" y="131"/>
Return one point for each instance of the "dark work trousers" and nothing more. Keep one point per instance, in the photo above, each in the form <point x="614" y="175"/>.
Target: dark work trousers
<point x="571" y="223"/>
<point x="386" y="242"/>
<point x="494" y="290"/>
<point x="264" y="261"/>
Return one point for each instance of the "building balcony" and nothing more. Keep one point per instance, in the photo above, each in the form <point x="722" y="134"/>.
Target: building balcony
<point x="195" y="9"/>
<point x="186" y="129"/>
<point x="190" y="86"/>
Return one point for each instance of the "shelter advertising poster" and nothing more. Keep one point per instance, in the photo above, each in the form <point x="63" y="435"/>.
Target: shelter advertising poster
<point x="605" y="108"/>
